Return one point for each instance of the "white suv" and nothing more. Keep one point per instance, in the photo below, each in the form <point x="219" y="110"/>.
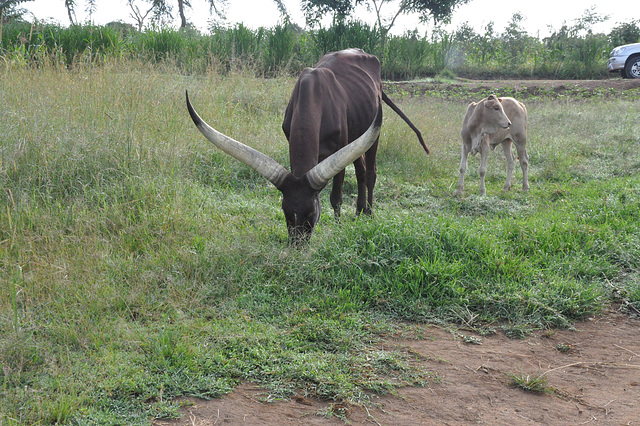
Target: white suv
<point x="625" y="59"/>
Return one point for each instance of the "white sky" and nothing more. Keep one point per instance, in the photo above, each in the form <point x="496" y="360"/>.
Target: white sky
<point x="540" y="15"/>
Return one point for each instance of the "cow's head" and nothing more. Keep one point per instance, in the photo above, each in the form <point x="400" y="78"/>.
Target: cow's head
<point x="494" y="117"/>
<point x="300" y="194"/>
<point x="301" y="207"/>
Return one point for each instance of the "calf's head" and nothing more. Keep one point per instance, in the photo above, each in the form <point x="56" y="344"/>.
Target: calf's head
<point x="300" y="194"/>
<point x="493" y="116"/>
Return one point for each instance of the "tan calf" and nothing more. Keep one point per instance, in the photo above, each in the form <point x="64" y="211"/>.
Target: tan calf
<point x="487" y="124"/>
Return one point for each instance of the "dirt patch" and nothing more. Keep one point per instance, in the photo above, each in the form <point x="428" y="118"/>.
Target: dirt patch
<point x="521" y="89"/>
<point x="614" y="83"/>
<point x="593" y="375"/>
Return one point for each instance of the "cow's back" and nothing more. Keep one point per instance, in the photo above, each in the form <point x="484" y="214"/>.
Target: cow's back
<point x="358" y="73"/>
<point x="332" y="104"/>
<point x="350" y="64"/>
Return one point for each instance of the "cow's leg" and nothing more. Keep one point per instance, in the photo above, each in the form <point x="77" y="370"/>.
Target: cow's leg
<point x="484" y="156"/>
<point x="371" y="175"/>
<point x="511" y="162"/>
<point x="463" y="166"/>
<point x="521" y="147"/>
<point x="361" y="203"/>
<point x="336" y="194"/>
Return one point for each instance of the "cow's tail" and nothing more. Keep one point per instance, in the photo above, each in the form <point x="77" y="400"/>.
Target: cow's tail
<point x="398" y="111"/>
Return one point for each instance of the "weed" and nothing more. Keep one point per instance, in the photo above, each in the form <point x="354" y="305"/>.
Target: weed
<point x="565" y="347"/>
<point x="530" y="382"/>
<point x="339" y="411"/>
<point x="474" y="340"/>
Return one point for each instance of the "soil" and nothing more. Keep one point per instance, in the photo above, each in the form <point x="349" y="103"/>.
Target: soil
<point x="558" y="85"/>
<point x="592" y="371"/>
<point x="521" y="89"/>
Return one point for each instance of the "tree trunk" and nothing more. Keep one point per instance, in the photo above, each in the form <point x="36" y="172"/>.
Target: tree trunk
<point x="70" y="5"/>
<point x="183" y="19"/>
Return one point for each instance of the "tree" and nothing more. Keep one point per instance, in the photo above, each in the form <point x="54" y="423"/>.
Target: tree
<point x="281" y="8"/>
<point x="314" y="10"/>
<point x="139" y="15"/>
<point x="515" y="39"/>
<point x="9" y="9"/>
<point x="217" y="6"/>
<point x="181" y="5"/>
<point x="625" y="33"/>
<point x="71" y="11"/>
<point x="436" y="10"/>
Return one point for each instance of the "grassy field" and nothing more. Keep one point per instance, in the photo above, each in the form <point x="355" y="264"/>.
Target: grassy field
<point x="138" y="263"/>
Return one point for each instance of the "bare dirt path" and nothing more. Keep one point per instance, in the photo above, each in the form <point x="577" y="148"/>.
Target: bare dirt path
<point x="522" y="89"/>
<point x="613" y="83"/>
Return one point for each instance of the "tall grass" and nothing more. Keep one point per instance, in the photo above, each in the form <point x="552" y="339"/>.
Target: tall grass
<point x="138" y="263"/>
<point x="569" y="53"/>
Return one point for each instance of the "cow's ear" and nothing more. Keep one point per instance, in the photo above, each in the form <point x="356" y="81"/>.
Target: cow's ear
<point x="499" y="100"/>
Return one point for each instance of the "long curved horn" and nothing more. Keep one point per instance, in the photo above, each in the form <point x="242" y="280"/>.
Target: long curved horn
<point x="261" y="163"/>
<point x="320" y="175"/>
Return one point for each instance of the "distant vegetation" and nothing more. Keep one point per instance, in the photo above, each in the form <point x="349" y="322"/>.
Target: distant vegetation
<point x="572" y="52"/>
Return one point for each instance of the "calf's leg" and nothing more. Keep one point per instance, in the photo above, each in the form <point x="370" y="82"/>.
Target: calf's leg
<point x="463" y="166"/>
<point x="511" y="162"/>
<point x="484" y="156"/>
<point x="521" y="147"/>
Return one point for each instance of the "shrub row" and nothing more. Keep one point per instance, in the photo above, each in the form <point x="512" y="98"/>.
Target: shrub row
<point x="284" y="48"/>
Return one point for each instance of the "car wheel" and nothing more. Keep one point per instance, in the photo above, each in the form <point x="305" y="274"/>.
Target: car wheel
<point x="632" y="67"/>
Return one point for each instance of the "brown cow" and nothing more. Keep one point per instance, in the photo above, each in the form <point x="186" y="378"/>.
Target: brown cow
<point x="333" y="119"/>
<point x="487" y="124"/>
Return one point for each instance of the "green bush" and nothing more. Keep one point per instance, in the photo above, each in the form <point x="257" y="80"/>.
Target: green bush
<point x="572" y="52"/>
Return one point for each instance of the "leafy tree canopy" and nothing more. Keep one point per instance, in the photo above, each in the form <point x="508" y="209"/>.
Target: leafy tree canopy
<point x="625" y="33"/>
<point x="436" y="10"/>
<point x="9" y="9"/>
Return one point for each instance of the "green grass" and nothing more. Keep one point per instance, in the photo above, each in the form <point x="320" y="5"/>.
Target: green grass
<point x="530" y="383"/>
<point x="137" y="263"/>
<point x="574" y="52"/>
